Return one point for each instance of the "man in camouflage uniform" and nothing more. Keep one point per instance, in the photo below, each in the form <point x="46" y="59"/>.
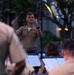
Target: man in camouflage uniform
<point x="10" y="46"/>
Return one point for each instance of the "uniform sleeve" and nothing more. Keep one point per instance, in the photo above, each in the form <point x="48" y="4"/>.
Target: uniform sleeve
<point x="16" y="51"/>
<point x="54" y="71"/>
<point x="19" y="31"/>
<point x="39" y="33"/>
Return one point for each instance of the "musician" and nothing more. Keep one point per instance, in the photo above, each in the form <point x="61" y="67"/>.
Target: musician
<point x="29" y="33"/>
<point x="68" y="54"/>
<point x="51" y="50"/>
<point x="11" y="46"/>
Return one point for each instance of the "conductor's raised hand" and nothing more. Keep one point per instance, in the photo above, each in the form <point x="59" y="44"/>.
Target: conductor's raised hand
<point x="36" y="23"/>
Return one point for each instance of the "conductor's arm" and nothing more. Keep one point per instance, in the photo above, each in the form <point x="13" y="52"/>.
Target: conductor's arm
<point x="18" y="31"/>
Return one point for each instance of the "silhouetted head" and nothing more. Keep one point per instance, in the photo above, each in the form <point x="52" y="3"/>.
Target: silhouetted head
<point x="52" y="49"/>
<point x="68" y="46"/>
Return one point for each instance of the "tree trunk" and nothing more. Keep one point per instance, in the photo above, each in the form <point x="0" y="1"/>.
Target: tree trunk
<point x="68" y="33"/>
<point x="63" y="33"/>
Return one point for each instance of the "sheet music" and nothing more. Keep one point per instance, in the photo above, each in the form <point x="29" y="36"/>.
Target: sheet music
<point x="33" y="60"/>
<point x="47" y="65"/>
<point x="60" y="61"/>
<point x="50" y="63"/>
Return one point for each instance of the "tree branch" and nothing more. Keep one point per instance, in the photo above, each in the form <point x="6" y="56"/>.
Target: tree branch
<point x="54" y="21"/>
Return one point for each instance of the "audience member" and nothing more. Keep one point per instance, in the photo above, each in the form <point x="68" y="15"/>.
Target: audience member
<point x="68" y="54"/>
<point x="10" y="46"/>
<point x="51" y="50"/>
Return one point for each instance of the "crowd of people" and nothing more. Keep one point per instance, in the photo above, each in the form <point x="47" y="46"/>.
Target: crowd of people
<point x="13" y="52"/>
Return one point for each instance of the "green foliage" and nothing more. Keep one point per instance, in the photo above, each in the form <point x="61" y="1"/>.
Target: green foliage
<point x="20" y="5"/>
<point x="48" y="36"/>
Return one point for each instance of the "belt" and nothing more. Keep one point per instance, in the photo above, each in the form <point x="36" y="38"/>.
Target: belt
<point x="31" y="48"/>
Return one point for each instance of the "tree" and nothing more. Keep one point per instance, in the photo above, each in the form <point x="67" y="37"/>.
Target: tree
<point x="16" y="7"/>
<point x="20" y="5"/>
<point x="63" y="15"/>
<point x="1" y="10"/>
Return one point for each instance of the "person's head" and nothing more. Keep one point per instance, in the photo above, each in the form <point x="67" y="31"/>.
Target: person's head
<point x="68" y="48"/>
<point x="30" y="18"/>
<point x="52" y="49"/>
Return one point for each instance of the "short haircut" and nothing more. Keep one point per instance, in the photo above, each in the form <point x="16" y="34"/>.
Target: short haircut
<point x="30" y="13"/>
<point x="68" y="45"/>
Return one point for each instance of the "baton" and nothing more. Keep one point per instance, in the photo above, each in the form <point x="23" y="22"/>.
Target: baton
<point x="19" y="15"/>
<point x="14" y="21"/>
